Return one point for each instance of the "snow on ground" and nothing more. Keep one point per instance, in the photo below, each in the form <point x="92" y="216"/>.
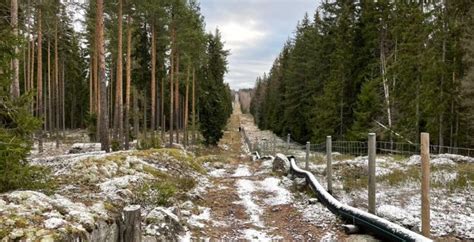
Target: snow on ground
<point x="245" y="188"/>
<point x="196" y="220"/>
<point x="242" y="170"/>
<point x="279" y="195"/>
<point x="452" y="203"/>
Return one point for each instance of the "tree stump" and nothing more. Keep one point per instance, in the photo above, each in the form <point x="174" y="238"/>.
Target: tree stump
<point x="131" y="229"/>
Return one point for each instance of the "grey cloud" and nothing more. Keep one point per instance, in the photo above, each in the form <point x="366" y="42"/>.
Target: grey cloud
<point x="256" y="31"/>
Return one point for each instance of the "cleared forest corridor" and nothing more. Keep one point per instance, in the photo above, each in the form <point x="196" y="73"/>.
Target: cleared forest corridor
<point x="248" y="201"/>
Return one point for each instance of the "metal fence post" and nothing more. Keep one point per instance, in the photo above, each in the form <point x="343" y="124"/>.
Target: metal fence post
<point x="329" y="163"/>
<point x="425" y="184"/>
<point x="372" y="155"/>
<point x="308" y="145"/>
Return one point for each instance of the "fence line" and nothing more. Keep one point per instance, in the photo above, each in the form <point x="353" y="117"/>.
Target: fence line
<point x="355" y="148"/>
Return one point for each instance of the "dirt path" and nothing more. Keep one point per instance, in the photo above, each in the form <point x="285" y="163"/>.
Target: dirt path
<point x="247" y="201"/>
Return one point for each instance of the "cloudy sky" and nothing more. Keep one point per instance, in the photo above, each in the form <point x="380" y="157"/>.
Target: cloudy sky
<point x="254" y="31"/>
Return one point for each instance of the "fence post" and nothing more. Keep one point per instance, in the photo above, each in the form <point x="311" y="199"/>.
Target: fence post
<point x="288" y="143"/>
<point x="308" y="145"/>
<point x="329" y="163"/>
<point x="425" y="184"/>
<point x="372" y="155"/>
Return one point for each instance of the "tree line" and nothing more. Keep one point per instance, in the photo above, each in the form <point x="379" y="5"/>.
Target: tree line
<point x="139" y="68"/>
<point x="396" y="68"/>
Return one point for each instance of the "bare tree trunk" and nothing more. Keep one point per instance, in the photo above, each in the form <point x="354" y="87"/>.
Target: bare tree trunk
<point x="194" y="106"/>
<point x="186" y="101"/>
<point x="39" y="97"/>
<point x="153" y="77"/>
<point x="176" y="96"/>
<point x="128" y="84"/>
<point x="136" y="123"/>
<point x="386" y="89"/>
<point x="171" y="84"/>
<point x="15" y="87"/>
<point x="62" y="80"/>
<point x="56" y="82"/>
<point x="119" y="91"/>
<point x="162" y="110"/>
<point x="104" y="119"/>
<point x="50" y="113"/>
<point x="32" y="73"/>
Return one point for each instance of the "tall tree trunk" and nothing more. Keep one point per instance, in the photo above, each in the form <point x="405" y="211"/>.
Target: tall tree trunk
<point x="15" y="86"/>
<point x="50" y="110"/>
<point x="56" y="82"/>
<point x="162" y="110"/>
<point x="119" y="82"/>
<point x="186" y="104"/>
<point x="171" y="134"/>
<point x="128" y="84"/>
<point x="62" y="86"/>
<point x="194" y="106"/>
<point x="176" y="96"/>
<point x="32" y="72"/>
<point x="153" y="78"/>
<point x="136" y="123"/>
<point x="104" y="119"/>
<point x="39" y="97"/>
<point x="386" y="88"/>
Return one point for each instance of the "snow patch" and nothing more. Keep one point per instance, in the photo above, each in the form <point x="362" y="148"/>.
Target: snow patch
<point x="245" y="188"/>
<point x="242" y="170"/>
<point x="280" y="194"/>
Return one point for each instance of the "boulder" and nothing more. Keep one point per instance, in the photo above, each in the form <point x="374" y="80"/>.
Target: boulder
<point x="163" y="224"/>
<point x="281" y="164"/>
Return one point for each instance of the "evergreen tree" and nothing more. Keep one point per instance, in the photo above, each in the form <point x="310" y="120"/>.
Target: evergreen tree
<point x="215" y="98"/>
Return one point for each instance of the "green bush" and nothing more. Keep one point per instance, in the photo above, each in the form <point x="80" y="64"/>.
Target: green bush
<point x="17" y="126"/>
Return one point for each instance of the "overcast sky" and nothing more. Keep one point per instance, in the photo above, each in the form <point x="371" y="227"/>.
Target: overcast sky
<point x="254" y="31"/>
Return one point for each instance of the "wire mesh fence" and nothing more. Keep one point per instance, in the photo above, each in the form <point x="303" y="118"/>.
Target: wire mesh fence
<point x="353" y="148"/>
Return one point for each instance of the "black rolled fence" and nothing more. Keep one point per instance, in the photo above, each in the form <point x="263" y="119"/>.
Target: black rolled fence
<point x="365" y="221"/>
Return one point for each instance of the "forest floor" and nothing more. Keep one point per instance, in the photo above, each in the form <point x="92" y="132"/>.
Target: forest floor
<point x="224" y="193"/>
<point x="246" y="200"/>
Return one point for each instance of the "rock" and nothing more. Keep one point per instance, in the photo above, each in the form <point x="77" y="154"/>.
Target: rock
<point x="16" y="233"/>
<point x="281" y="164"/>
<point x="218" y="165"/>
<point x="188" y="205"/>
<point x="312" y="200"/>
<point x="163" y="224"/>
<point x="76" y="150"/>
<point x="53" y="223"/>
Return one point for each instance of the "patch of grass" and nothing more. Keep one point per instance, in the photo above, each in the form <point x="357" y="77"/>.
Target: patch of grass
<point x="464" y="177"/>
<point x="4" y="232"/>
<point x="160" y="191"/>
<point x="398" y="176"/>
<point x="398" y="157"/>
<point x="353" y="178"/>
<point x="154" y="172"/>
<point x="342" y="157"/>
<point x="318" y="159"/>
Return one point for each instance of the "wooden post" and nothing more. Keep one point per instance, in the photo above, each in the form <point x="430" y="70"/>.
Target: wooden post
<point x="425" y="184"/>
<point x="131" y="224"/>
<point x="329" y="163"/>
<point x="307" y="155"/>
<point x="372" y="154"/>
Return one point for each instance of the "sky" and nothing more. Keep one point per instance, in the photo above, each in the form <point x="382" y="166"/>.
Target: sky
<point x="254" y="31"/>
